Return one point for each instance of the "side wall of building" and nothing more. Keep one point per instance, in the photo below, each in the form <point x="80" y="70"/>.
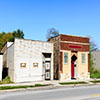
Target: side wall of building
<point x="96" y="59"/>
<point x="10" y="62"/>
<point x="56" y="55"/>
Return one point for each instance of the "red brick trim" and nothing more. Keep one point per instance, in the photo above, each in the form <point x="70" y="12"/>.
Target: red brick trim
<point x="61" y="62"/>
<point x="74" y="39"/>
<point x="65" y="46"/>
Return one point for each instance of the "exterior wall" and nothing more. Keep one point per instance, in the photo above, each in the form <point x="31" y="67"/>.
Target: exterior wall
<point x="66" y="46"/>
<point x="56" y="54"/>
<point x="4" y="51"/>
<point x="66" y="74"/>
<point x="96" y="59"/>
<point x="10" y="62"/>
<point x="74" y="39"/>
<point x="29" y="52"/>
<point x="68" y="43"/>
<point x="82" y="69"/>
<point x="1" y="66"/>
<point x="80" y="45"/>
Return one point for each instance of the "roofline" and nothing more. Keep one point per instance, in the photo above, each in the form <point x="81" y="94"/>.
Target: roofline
<point x="68" y="35"/>
<point x="6" y="45"/>
<point x="33" y="40"/>
<point x="74" y="35"/>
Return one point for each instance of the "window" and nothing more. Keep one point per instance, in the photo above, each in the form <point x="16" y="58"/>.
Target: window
<point x="65" y="58"/>
<point x="83" y="58"/>
<point x="23" y="65"/>
<point x="35" y="64"/>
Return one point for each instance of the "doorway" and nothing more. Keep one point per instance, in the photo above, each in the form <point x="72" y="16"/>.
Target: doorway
<point x="47" y="70"/>
<point x="47" y="66"/>
<point x="74" y="66"/>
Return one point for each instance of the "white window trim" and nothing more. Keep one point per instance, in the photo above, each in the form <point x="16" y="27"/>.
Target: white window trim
<point x="82" y="58"/>
<point x="64" y="58"/>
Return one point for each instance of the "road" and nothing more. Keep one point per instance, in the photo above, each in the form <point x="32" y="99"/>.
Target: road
<point x="62" y="93"/>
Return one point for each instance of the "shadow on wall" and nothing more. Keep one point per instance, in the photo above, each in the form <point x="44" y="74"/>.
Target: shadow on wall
<point x="56" y="75"/>
<point x="4" y="72"/>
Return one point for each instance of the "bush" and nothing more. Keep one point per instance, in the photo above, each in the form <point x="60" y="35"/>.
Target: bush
<point x="7" y="80"/>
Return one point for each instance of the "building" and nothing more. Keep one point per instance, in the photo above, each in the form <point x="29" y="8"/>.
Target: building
<point x="28" y="60"/>
<point x="96" y="59"/>
<point x="71" y="57"/>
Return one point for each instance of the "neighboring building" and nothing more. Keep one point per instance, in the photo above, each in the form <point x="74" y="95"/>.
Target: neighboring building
<point x="71" y="57"/>
<point x="96" y="59"/>
<point x="28" y="60"/>
<point x="4" y="51"/>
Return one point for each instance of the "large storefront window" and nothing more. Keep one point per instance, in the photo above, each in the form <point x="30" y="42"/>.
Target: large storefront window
<point x="83" y="58"/>
<point x="65" y="58"/>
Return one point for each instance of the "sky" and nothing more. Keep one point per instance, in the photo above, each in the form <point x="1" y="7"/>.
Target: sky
<point x="35" y="17"/>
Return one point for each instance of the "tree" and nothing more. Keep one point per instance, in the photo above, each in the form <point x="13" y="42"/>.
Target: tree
<point x="10" y="37"/>
<point x="17" y="34"/>
<point x="52" y="32"/>
<point x="93" y="45"/>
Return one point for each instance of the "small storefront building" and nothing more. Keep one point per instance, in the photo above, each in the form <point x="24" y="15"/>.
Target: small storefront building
<point x="71" y="57"/>
<point x="28" y="60"/>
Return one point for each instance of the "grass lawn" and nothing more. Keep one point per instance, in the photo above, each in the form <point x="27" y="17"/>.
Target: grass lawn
<point x="95" y="81"/>
<point x="95" y="75"/>
<point x="70" y="83"/>
<point x="18" y="87"/>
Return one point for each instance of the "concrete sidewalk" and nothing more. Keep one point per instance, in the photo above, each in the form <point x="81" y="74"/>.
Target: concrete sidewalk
<point x="53" y="82"/>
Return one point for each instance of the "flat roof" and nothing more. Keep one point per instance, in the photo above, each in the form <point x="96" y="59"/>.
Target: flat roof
<point x="74" y="35"/>
<point x="34" y="40"/>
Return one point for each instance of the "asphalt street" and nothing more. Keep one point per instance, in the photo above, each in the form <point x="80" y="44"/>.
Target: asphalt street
<point x="62" y="93"/>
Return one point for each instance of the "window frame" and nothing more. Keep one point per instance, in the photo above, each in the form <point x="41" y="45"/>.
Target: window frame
<point x="21" y="65"/>
<point x="83" y="57"/>
<point x="34" y="66"/>
<point x="65" y="58"/>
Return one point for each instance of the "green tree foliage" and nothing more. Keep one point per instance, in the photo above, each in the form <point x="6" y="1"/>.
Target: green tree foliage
<point x="17" y="34"/>
<point x="94" y="73"/>
<point x="10" y="37"/>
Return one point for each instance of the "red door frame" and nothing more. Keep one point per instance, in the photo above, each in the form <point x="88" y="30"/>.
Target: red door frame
<point x="72" y="69"/>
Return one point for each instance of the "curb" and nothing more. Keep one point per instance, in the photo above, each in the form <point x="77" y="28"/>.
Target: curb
<point x="47" y="87"/>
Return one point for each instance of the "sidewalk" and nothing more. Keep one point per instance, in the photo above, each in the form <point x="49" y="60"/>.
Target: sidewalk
<point x="52" y="83"/>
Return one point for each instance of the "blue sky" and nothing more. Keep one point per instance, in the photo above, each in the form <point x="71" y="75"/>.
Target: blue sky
<point x="35" y="17"/>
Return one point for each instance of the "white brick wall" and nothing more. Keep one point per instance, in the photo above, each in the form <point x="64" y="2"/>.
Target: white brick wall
<point x="10" y="61"/>
<point x="29" y="52"/>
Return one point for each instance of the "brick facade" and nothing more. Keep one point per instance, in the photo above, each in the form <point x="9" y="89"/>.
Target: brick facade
<point x="69" y="44"/>
<point x="66" y="46"/>
<point x="74" y="38"/>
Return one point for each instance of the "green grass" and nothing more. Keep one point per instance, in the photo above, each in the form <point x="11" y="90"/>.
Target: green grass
<point x="18" y="87"/>
<point x="6" y="80"/>
<point x="95" y="81"/>
<point x="70" y="83"/>
<point x="95" y="75"/>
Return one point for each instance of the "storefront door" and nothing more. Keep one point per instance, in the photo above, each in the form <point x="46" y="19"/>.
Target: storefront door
<point x="47" y="71"/>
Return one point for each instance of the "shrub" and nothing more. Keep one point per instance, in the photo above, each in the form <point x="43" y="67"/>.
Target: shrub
<point x="7" y="80"/>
